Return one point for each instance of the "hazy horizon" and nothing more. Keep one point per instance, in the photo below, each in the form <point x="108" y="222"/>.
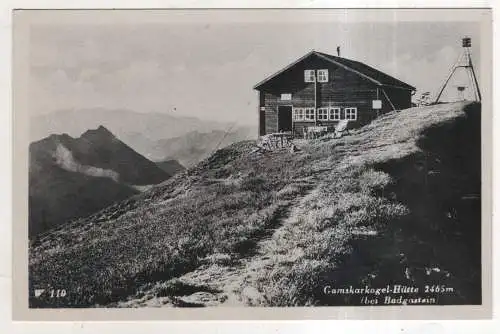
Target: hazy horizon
<point x="207" y="68"/>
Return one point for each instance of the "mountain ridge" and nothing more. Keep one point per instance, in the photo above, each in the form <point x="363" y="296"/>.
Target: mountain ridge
<point x="73" y="177"/>
<point x="146" y="133"/>
<point x="120" y="121"/>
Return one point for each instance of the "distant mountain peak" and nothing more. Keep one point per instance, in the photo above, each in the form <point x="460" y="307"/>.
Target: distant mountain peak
<point x="73" y="177"/>
<point x="59" y="136"/>
<point x="101" y="132"/>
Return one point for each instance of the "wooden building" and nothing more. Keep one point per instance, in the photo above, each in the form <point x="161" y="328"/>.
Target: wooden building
<point x="321" y="90"/>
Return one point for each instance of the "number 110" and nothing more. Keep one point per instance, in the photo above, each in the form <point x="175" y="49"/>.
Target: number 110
<point x="57" y="293"/>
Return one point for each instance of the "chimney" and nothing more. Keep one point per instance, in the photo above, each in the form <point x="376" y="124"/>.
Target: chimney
<point x="338" y="51"/>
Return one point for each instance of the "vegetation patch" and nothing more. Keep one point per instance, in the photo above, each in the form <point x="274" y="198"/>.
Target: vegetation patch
<point x="163" y="233"/>
<point x="351" y="209"/>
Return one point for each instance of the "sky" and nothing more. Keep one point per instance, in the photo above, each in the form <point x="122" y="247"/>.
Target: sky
<point x="206" y="67"/>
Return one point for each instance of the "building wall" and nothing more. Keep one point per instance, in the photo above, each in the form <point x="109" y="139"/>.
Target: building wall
<point x="262" y="115"/>
<point x="344" y="89"/>
<point x="271" y="121"/>
<point x="401" y="98"/>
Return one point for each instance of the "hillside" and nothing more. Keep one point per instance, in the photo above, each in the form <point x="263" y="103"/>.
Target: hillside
<point x="397" y="201"/>
<point x="146" y="133"/>
<point x="73" y="177"/>
<point x="195" y="146"/>
<point x="171" y="167"/>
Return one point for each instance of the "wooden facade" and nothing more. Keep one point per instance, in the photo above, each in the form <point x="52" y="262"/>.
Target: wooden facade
<point x="349" y="91"/>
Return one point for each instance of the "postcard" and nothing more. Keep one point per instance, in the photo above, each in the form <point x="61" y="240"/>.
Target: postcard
<point x="252" y="164"/>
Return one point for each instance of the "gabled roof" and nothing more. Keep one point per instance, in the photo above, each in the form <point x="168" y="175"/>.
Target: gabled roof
<point x="377" y="77"/>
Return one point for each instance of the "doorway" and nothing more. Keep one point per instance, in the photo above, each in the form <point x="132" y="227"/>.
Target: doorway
<point x="284" y="118"/>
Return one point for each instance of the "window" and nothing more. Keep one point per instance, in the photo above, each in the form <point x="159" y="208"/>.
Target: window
<point x="303" y="114"/>
<point x="351" y="113"/>
<point x="334" y="114"/>
<point x="298" y="114"/>
<point x="309" y="114"/>
<point x="323" y="114"/>
<point x="322" y="75"/>
<point x="309" y="76"/>
<point x="286" y="97"/>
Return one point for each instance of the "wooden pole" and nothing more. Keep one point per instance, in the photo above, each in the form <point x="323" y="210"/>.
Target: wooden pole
<point x="476" y="86"/>
<point x="315" y="98"/>
<point x="377" y="99"/>
<point x="445" y="83"/>
<point x="388" y="99"/>
<point x="453" y="69"/>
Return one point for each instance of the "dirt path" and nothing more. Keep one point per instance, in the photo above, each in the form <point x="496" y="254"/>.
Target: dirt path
<point x="234" y="285"/>
<point x="230" y="282"/>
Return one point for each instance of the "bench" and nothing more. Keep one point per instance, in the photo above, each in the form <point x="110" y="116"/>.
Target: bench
<point x="314" y="131"/>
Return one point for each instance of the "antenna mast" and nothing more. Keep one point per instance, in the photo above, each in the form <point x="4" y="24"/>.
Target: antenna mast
<point x="464" y="61"/>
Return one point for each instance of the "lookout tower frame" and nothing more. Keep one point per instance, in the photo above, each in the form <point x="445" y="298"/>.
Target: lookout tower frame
<point x="464" y="61"/>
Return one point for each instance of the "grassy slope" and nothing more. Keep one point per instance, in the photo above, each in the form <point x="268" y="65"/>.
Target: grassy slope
<point x="320" y="210"/>
<point x="390" y="210"/>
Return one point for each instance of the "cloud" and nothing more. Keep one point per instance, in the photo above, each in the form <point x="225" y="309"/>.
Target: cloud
<point x="65" y="160"/>
<point x="209" y="72"/>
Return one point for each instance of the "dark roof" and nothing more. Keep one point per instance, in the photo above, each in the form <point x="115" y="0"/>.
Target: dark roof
<point x="368" y="72"/>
